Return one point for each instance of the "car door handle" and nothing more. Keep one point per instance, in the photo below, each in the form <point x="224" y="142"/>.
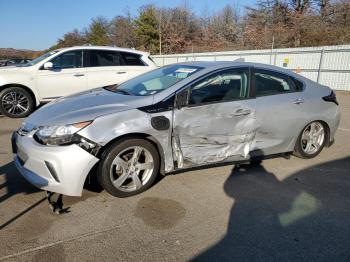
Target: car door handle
<point x="79" y="74"/>
<point x="242" y="112"/>
<point x="298" y="101"/>
<point x="120" y="72"/>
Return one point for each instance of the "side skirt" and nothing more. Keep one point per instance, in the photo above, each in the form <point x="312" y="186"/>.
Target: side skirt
<point x="254" y="158"/>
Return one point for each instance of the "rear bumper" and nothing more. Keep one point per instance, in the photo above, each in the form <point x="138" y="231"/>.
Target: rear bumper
<point x="60" y="169"/>
<point x="333" y="126"/>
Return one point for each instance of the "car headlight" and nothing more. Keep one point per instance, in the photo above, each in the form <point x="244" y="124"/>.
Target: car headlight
<point x="59" y="135"/>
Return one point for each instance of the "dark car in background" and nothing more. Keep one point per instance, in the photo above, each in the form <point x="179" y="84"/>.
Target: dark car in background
<point x="14" y="61"/>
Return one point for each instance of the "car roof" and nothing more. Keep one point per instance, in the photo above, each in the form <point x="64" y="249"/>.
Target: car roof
<point x="223" y="64"/>
<point x="213" y="65"/>
<point x="113" y="48"/>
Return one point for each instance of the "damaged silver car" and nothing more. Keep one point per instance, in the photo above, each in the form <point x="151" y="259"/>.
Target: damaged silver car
<point x="175" y="117"/>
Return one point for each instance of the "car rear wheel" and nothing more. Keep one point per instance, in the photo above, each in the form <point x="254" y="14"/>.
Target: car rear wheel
<point x="311" y="140"/>
<point x="128" y="167"/>
<point x="15" y="102"/>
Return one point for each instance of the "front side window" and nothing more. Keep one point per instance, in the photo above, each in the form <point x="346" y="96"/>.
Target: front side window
<point x="41" y="58"/>
<point x="272" y="83"/>
<point x="155" y="81"/>
<point x="104" y="58"/>
<point x="71" y="59"/>
<point x="131" y="59"/>
<point x="220" y="87"/>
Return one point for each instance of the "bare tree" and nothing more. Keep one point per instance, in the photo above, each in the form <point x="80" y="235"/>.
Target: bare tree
<point x="72" y="38"/>
<point x="286" y="23"/>
<point x="123" y="32"/>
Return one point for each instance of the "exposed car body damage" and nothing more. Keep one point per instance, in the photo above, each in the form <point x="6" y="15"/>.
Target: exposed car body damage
<point x="198" y="140"/>
<point x="132" y="123"/>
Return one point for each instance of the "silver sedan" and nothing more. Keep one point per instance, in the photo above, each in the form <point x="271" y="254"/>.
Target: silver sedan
<point x="175" y="117"/>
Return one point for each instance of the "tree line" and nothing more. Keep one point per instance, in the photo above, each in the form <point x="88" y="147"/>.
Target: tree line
<point x="269" y="23"/>
<point x="9" y="53"/>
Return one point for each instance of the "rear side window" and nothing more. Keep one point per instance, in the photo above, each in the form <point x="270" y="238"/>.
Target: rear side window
<point x="71" y="59"/>
<point x="272" y="83"/>
<point x="104" y="58"/>
<point x="131" y="59"/>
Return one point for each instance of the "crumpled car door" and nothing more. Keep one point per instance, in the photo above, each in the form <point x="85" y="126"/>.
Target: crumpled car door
<point x="213" y="133"/>
<point x="214" y="119"/>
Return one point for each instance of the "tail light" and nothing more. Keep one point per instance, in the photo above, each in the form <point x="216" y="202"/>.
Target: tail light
<point x="331" y="98"/>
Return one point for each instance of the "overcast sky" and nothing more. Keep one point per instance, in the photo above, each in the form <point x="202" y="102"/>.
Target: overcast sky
<point x="37" y="24"/>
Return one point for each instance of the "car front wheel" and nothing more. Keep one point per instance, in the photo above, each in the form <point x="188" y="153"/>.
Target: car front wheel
<point x="311" y="140"/>
<point x="15" y="102"/>
<point x="128" y="167"/>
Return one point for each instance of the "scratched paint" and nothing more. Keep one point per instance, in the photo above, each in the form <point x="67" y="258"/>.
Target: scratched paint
<point x="213" y="133"/>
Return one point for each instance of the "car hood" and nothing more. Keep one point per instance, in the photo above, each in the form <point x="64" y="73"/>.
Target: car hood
<point x="85" y="106"/>
<point x="11" y="74"/>
<point x="12" y="68"/>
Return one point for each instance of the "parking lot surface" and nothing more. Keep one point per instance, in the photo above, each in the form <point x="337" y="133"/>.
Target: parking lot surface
<point x="280" y="210"/>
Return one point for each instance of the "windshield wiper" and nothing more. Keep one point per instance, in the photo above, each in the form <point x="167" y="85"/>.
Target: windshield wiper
<point x="122" y="92"/>
<point x="114" y="89"/>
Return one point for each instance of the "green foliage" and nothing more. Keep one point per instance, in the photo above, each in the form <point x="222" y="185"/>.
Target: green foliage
<point x="147" y="29"/>
<point x="98" y="32"/>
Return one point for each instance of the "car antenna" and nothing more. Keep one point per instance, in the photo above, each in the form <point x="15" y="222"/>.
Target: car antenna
<point x="241" y="59"/>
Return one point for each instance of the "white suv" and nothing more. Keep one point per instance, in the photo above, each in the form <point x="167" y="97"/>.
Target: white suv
<point x="66" y="71"/>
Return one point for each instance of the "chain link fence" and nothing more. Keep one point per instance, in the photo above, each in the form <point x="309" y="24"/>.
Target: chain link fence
<point x="327" y="65"/>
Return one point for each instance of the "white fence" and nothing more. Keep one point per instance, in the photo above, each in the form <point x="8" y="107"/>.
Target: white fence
<point x="328" y="65"/>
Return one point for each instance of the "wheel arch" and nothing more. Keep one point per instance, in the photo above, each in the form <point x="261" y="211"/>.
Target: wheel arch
<point x="30" y="91"/>
<point x="325" y="124"/>
<point x="144" y="136"/>
<point x="327" y="129"/>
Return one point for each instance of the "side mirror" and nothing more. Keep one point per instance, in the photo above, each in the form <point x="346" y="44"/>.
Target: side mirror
<point x="181" y="99"/>
<point x="48" y="65"/>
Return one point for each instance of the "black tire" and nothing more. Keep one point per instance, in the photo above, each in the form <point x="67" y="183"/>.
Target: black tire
<point x="16" y="113"/>
<point x="103" y="171"/>
<point x="298" y="150"/>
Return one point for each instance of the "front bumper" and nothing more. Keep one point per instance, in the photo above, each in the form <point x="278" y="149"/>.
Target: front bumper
<point x="60" y="169"/>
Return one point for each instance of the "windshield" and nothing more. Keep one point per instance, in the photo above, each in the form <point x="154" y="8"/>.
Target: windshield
<point x="155" y="81"/>
<point x="40" y="58"/>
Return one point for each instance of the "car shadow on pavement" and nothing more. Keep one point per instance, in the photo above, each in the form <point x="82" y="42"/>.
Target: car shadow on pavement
<point x="14" y="182"/>
<point x="305" y="217"/>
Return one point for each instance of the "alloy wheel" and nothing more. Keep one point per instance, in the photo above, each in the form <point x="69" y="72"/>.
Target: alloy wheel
<point x="312" y="138"/>
<point x="131" y="169"/>
<point x="15" y="103"/>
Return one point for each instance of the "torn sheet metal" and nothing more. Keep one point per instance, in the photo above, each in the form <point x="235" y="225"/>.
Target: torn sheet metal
<point x="213" y="133"/>
<point x="177" y="153"/>
<point x="132" y="122"/>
